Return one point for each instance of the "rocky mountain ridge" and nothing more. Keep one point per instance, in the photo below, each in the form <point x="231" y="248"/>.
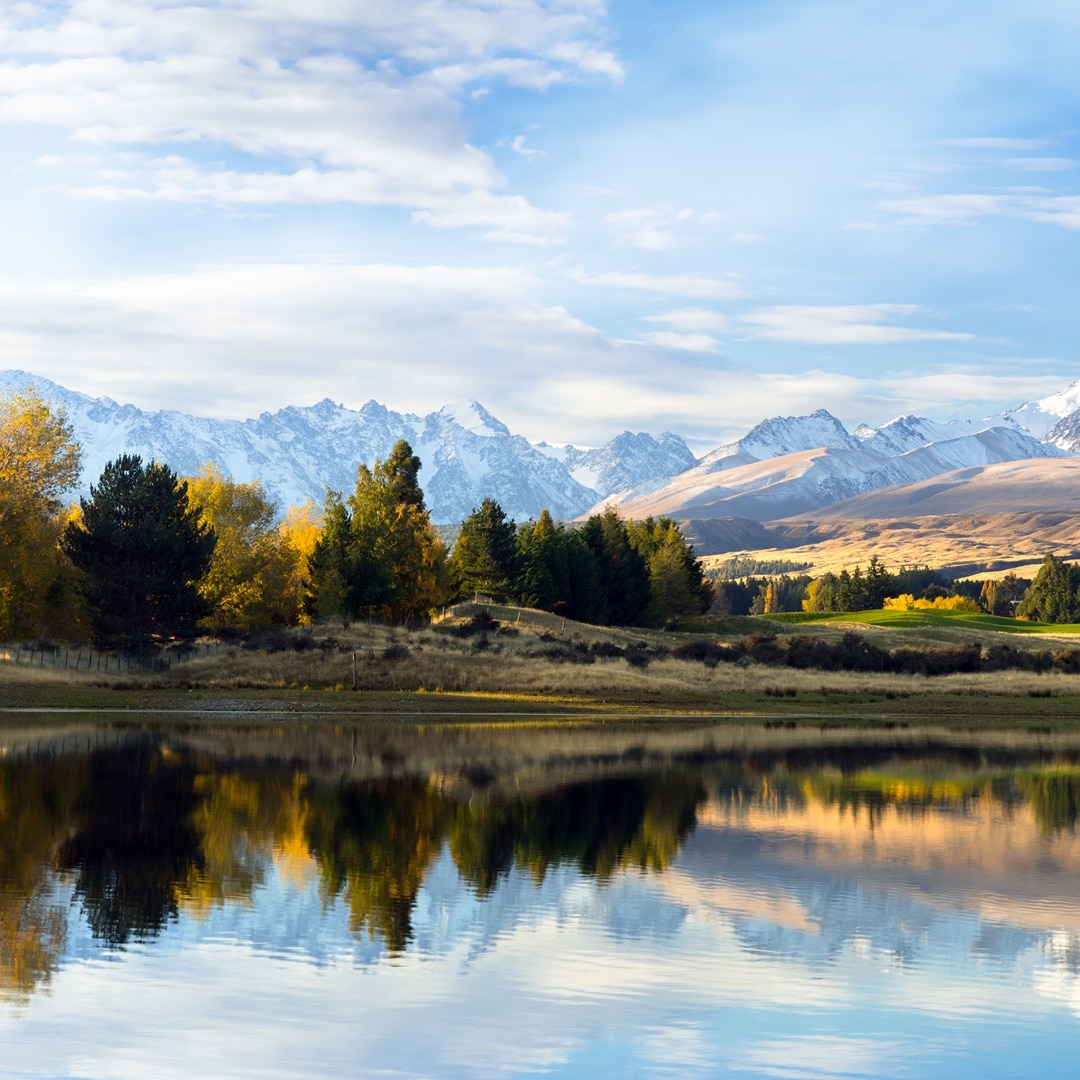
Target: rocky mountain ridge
<point x="783" y="466"/>
<point x="300" y="451"/>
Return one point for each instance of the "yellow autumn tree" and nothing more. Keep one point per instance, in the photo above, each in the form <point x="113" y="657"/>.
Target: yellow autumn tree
<point x="251" y="582"/>
<point x="301" y="530"/>
<point x="39" y="461"/>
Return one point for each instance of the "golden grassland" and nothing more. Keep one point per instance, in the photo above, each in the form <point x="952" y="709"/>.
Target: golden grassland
<point x="530" y="667"/>
<point x="977" y="545"/>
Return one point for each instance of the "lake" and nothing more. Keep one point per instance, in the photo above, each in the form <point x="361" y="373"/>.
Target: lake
<point x="326" y="899"/>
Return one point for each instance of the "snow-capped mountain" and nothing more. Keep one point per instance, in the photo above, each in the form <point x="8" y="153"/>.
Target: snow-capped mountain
<point x="299" y="452"/>
<point x="783" y="466"/>
<point x="781" y="435"/>
<point x="627" y="459"/>
<point x="794" y="464"/>
<point x="1039" y="417"/>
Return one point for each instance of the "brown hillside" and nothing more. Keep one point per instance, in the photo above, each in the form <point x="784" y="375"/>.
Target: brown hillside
<point x="1038" y="485"/>
<point x="980" y="521"/>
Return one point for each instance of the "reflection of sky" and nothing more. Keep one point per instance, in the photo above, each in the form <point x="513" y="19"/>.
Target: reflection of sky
<point x="753" y="955"/>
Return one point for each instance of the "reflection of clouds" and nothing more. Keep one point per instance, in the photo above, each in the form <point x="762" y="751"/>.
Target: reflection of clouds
<point x="675" y="1050"/>
<point x="814" y="1056"/>
<point x="781" y="910"/>
<point x="1061" y="980"/>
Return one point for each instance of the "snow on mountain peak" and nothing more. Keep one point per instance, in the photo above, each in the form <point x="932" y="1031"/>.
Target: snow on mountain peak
<point x="1038" y="417"/>
<point x="472" y="416"/>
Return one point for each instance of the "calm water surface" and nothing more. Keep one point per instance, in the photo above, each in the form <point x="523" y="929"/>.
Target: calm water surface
<point x="328" y="900"/>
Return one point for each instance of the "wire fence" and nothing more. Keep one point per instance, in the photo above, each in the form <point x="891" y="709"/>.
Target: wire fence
<point x="52" y="656"/>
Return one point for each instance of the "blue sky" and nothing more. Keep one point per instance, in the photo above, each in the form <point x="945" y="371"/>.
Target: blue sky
<point x="588" y="216"/>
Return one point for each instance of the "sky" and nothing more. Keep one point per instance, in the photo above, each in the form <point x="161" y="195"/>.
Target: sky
<point x="687" y="215"/>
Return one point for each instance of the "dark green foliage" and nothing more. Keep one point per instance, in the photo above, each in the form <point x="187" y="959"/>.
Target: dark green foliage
<point x="742" y="566"/>
<point x="485" y="558"/>
<point x="1052" y="597"/>
<point x="132" y="842"/>
<point x="378" y="553"/>
<point x="141" y="549"/>
<point x="346" y="575"/>
<point x="623" y="574"/>
<point x="1002" y="597"/>
<point x="855" y="652"/>
<point x="676" y="581"/>
<point x="857" y="590"/>
<point x="746" y="596"/>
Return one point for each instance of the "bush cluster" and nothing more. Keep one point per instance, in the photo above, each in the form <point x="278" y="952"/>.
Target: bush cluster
<point x="853" y="652"/>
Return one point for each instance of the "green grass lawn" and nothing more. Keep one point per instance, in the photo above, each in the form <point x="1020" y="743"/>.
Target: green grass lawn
<point x="902" y="620"/>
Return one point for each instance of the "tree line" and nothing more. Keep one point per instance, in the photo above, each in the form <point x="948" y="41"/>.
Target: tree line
<point x="152" y="555"/>
<point x="1054" y="595"/>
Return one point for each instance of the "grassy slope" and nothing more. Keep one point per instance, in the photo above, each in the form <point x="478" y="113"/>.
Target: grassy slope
<point x="909" y="620"/>
<point x="445" y="678"/>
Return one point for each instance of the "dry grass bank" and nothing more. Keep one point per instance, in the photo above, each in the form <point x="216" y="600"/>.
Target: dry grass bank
<point x="532" y="660"/>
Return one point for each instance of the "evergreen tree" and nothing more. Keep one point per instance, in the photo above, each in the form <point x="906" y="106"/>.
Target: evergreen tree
<point x="879" y="583"/>
<point x="346" y="577"/>
<point x="485" y="558"/>
<point x="1052" y="597"/>
<point x="543" y="578"/>
<point x="142" y="549"/>
<point x="586" y="589"/>
<point x="379" y="554"/>
<point x="624" y="577"/>
<point x="676" y="582"/>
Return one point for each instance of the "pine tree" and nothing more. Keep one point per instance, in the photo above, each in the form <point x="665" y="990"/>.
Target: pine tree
<point x="379" y="554"/>
<point x="624" y="577"/>
<point x="485" y="558"/>
<point x="142" y="549"/>
<point x="1052" y="597"/>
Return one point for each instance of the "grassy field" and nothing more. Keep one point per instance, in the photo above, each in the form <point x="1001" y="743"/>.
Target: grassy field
<point x="535" y="665"/>
<point x="910" y="620"/>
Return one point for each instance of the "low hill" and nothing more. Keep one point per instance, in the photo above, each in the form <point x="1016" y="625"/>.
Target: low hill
<point x="1039" y="485"/>
<point x="979" y="521"/>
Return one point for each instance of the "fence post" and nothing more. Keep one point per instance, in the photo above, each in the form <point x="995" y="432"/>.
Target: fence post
<point x="355" y="674"/>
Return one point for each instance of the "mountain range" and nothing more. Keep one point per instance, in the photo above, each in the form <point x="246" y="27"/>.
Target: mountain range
<point x="784" y="466"/>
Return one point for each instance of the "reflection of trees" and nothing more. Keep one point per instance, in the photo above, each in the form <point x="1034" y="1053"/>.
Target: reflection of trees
<point x="374" y="842"/>
<point x="241" y="821"/>
<point x="35" y="807"/>
<point x="599" y="826"/>
<point x="135" y="840"/>
<point x="1054" y="798"/>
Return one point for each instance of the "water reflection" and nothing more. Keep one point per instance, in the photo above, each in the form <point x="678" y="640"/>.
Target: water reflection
<point x="638" y="900"/>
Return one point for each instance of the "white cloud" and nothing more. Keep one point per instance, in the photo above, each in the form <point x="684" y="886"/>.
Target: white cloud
<point x="1060" y="210"/>
<point x="335" y="102"/>
<point x="1042" y="164"/>
<point x="519" y="147"/>
<point x="670" y="339"/>
<point x="857" y="324"/>
<point x="694" y="286"/>
<point x="691" y="319"/>
<point x="654" y="229"/>
<point x="237" y="339"/>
